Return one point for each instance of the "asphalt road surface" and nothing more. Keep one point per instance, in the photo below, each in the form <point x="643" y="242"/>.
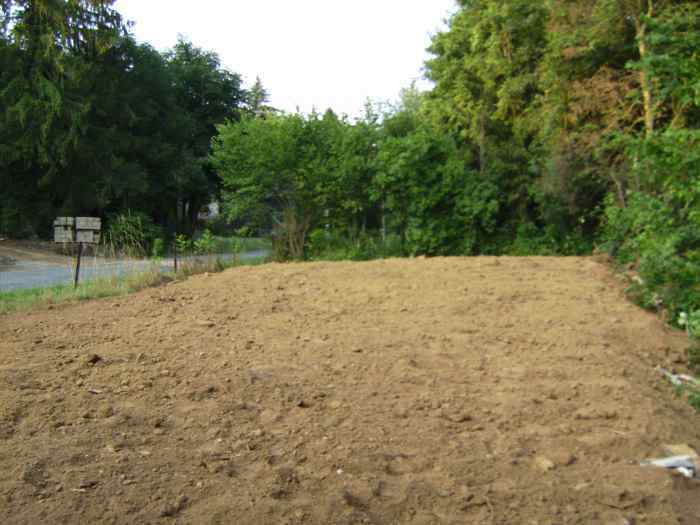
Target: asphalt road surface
<point x="38" y="274"/>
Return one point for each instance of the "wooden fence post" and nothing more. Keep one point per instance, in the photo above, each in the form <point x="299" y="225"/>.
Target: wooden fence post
<point x="77" y="264"/>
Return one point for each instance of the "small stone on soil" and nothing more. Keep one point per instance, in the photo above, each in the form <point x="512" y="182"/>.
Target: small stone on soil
<point x="544" y="464"/>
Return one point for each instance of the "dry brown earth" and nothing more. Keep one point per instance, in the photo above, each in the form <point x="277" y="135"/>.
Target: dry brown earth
<point x="442" y="391"/>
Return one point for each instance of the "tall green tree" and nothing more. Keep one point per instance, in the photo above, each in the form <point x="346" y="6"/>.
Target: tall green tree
<point x="257" y="99"/>
<point x="208" y="95"/>
<point x="52" y="47"/>
<point x="93" y="123"/>
<point x="265" y="183"/>
<point x="349" y="202"/>
<point x="487" y="69"/>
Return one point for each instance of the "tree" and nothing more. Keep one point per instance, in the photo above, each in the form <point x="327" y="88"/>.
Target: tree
<point x="49" y="48"/>
<point x="57" y="41"/>
<point x="207" y="95"/>
<point x="439" y="203"/>
<point x="94" y="123"/>
<point x="276" y="172"/>
<point x="257" y="99"/>
<point x="351" y="209"/>
<point x="487" y="70"/>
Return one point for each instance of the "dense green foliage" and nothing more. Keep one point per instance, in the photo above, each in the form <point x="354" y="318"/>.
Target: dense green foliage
<point x="656" y="226"/>
<point x="92" y="123"/>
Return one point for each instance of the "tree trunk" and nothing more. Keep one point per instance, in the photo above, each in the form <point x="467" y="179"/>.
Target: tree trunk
<point x="383" y="223"/>
<point x="621" y="192"/>
<point x="193" y="214"/>
<point x="182" y="216"/>
<point x="294" y="231"/>
<point x="482" y="142"/>
<point x="644" y="82"/>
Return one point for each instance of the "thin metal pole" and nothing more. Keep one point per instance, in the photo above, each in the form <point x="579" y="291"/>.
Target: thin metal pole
<point x="77" y="264"/>
<point x="175" y="252"/>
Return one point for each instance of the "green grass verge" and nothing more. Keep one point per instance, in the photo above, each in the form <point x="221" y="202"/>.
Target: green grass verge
<point x="22" y="300"/>
<point x="19" y="300"/>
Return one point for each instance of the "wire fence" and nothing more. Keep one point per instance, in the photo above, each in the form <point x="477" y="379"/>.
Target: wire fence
<point x="25" y="269"/>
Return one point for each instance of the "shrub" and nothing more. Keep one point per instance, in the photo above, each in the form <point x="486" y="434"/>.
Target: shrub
<point x="529" y="240"/>
<point x="694" y="358"/>
<point x="158" y="249"/>
<point x="183" y="244"/>
<point x="244" y="231"/>
<point x="324" y="245"/>
<point x="10" y="222"/>
<point x="132" y="234"/>
<point x="694" y="400"/>
<point x="206" y="244"/>
<point x="663" y="244"/>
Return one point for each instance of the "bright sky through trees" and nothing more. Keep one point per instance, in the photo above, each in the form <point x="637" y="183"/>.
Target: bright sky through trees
<point x="309" y="53"/>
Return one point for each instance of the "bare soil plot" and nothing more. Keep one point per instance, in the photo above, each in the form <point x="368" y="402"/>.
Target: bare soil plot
<point x="445" y="391"/>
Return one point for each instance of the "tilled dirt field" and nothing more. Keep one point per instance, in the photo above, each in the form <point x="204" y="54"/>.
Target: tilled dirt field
<point x="446" y="391"/>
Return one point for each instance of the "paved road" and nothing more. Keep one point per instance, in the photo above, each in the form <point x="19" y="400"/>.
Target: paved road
<point x="32" y="274"/>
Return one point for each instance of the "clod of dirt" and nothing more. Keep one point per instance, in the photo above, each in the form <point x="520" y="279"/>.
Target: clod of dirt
<point x="592" y="413"/>
<point x="621" y="498"/>
<point x="170" y="510"/>
<point x="562" y="458"/>
<point x="269" y="417"/>
<point x="353" y="501"/>
<point x="257" y="375"/>
<point x="93" y="359"/>
<point x="378" y="489"/>
<point x="106" y="411"/>
<point x="206" y="393"/>
<point x="677" y="358"/>
<point x="35" y="474"/>
<point x="680" y="450"/>
<point x="459" y="417"/>
<point x="285" y="483"/>
<point x="544" y="464"/>
<point x="401" y="412"/>
<point x="88" y="484"/>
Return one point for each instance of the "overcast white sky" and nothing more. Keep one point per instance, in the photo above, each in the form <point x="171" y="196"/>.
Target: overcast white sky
<point x="308" y="53"/>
